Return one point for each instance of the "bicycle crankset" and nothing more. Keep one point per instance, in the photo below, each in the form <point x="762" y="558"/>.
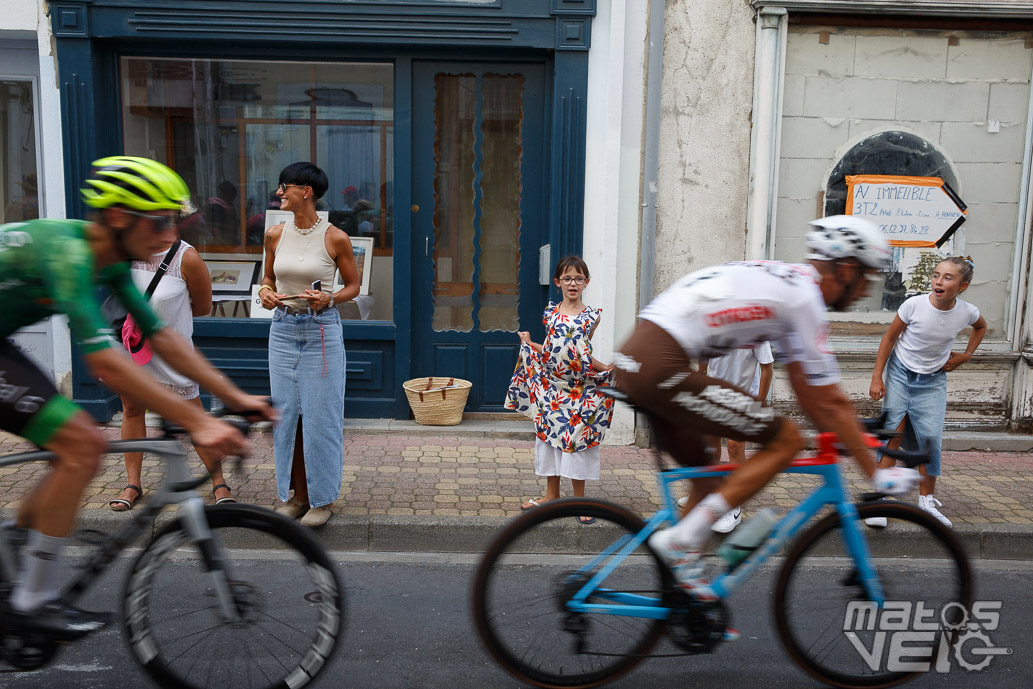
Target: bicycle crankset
<point x="696" y="626"/>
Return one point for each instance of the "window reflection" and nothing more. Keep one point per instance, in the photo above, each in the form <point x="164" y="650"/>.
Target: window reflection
<point x="19" y="188"/>
<point x="229" y="127"/>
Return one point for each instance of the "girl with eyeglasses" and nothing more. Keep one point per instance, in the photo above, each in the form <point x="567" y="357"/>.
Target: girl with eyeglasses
<point x="556" y="382"/>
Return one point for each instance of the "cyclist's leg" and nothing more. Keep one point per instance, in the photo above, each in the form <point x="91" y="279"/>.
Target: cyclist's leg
<point x="35" y="411"/>
<point x="654" y="371"/>
<point x="55" y="502"/>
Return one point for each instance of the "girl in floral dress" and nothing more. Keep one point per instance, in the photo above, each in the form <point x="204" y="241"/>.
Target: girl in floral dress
<point x="555" y="383"/>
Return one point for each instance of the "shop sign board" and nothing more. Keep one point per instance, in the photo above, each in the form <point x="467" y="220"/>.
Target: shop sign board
<point x="910" y="211"/>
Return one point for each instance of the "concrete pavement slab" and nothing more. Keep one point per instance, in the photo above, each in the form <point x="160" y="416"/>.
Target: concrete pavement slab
<point x="442" y="490"/>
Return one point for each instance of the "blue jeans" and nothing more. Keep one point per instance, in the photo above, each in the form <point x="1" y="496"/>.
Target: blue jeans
<point x="923" y="398"/>
<point x="306" y="377"/>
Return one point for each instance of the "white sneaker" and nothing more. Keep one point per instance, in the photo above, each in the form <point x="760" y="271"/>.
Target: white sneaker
<point x="684" y="564"/>
<point x="929" y="504"/>
<point x="876" y="522"/>
<point x="730" y="520"/>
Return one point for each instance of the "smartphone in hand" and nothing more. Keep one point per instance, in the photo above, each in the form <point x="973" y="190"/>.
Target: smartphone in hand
<point x="317" y="285"/>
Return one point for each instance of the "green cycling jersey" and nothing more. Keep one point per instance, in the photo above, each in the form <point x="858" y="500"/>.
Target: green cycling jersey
<point x="48" y="267"/>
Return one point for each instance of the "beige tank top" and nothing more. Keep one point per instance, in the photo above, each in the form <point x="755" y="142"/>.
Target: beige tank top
<point x="300" y="258"/>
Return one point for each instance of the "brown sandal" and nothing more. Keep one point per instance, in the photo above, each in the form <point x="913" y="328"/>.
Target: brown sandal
<point x="123" y="505"/>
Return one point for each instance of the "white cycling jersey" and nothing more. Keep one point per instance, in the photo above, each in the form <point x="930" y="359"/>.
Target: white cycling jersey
<point x="743" y="303"/>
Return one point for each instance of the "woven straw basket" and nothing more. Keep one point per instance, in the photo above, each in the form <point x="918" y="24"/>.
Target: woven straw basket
<point x="437" y="401"/>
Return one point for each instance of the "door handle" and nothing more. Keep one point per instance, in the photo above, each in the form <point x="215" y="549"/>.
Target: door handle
<point x="426" y="246"/>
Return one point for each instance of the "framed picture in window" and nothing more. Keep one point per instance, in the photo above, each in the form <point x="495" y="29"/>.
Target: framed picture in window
<point x="233" y="277"/>
<point x="362" y="247"/>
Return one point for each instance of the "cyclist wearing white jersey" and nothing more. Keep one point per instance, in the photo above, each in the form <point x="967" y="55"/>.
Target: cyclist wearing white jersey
<point x="740" y="304"/>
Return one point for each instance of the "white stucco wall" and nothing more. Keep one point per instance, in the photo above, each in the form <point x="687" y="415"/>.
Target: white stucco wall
<point x="26" y="48"/>
<point x="705" y="136"/>
<point x="19" y="15"/>
<point x="612" y="179"/>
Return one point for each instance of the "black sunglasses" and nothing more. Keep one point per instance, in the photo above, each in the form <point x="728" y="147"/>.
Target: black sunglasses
<point x="161" y="222"/>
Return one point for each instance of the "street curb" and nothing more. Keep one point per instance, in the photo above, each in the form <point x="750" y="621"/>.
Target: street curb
<point x="448" y="534"/>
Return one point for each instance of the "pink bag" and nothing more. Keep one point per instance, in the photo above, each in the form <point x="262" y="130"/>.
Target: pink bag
<point x="135" y="343"/>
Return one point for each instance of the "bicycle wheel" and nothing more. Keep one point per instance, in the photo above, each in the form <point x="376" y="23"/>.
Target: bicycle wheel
<point x="532" y="569"/>
<point x="820" y="606"/>
<point x="291" y="611"/>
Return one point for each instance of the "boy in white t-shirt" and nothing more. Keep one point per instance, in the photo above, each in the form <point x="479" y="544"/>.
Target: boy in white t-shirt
<point x="916" y="354"/>
<point x="750" y="369"/>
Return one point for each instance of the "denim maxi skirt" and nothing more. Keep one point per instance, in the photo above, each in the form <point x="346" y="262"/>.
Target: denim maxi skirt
<point x="923" y="398"/>
<point x="306" y="377"/>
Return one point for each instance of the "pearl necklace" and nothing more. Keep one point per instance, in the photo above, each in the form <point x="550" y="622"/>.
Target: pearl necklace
<point x="308" y="230"/>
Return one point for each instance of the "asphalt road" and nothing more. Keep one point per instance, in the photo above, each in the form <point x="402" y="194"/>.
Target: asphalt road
<point x="408" y="625"/>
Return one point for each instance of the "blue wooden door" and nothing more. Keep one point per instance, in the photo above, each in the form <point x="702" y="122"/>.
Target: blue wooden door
<point x="479" y="219"/>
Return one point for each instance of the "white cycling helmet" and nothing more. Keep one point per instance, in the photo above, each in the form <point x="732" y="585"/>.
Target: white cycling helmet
<point x="846" y="236"/>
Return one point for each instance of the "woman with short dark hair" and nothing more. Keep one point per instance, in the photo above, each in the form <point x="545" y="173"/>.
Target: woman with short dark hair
<point x="306" y="345"/>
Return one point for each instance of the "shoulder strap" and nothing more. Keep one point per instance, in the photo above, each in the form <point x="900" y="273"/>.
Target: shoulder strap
<point x="165" y="263"/>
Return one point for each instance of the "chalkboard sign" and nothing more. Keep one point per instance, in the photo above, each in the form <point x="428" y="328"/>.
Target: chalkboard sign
<point x="910" y="211"/>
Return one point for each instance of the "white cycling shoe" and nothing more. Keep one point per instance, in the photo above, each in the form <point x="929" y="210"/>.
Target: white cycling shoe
<point x="684" y="563"/>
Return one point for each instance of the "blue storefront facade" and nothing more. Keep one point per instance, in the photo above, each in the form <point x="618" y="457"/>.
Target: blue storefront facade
<point x="453" y="133"/>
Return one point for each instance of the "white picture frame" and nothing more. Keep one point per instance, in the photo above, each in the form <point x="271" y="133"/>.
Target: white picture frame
<point x="362" y="247"/>
<point x="233" y="276"/>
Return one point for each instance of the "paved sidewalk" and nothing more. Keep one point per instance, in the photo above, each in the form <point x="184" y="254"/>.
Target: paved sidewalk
<point x="419" y="488"/>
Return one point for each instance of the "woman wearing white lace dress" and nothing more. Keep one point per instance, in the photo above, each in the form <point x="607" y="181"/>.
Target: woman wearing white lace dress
<point x="185" y="291"/>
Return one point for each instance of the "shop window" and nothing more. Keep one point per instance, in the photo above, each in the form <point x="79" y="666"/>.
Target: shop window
<point x="877" y="100"/>
<point x="229" y="127"/>
<point x="19" y="193"/>
<point x="891" y="153"/>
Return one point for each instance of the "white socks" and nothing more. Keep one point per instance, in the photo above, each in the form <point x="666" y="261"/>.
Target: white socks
<point x="692" y="531"/>
<point x="39" y="578"/>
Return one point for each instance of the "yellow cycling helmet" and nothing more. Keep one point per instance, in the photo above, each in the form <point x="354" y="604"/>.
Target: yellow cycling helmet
<point x="137" y="183"/>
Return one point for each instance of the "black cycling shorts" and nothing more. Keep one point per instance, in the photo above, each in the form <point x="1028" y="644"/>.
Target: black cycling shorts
<point x="686" y="405"/>
<point x="30" y="405"/>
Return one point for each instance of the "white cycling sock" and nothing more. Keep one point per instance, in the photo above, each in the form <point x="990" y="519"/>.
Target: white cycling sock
<point x="693" y="531"/>
<point x="39" y="576"/>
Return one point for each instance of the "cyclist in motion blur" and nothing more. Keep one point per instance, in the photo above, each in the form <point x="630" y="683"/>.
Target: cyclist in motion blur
<point x="710" y="312"/>
<point x="54" y="266"/>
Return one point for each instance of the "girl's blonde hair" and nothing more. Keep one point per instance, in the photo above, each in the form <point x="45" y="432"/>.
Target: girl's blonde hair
<point x="568" y="262"/>
<point x="964" y="265"/>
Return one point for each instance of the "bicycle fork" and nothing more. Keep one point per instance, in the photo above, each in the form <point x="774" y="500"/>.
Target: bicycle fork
<point x="195" y="524"/>
<point x="857" y="545"/>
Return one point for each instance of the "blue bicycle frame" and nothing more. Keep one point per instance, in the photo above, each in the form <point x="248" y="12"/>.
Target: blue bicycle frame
<point x="831" y="492"/>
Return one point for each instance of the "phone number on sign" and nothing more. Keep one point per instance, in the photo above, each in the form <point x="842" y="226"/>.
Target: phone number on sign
<point x="904" y="228"/>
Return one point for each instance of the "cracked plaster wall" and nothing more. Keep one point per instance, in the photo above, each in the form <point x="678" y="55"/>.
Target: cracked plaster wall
<point x="706" y="100"/>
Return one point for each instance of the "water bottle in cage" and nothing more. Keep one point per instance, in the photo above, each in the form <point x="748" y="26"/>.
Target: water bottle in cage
<point x="748" y="538"/>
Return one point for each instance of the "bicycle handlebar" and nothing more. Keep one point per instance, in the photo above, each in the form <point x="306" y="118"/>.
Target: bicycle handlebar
<point x="237" y="419"/>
